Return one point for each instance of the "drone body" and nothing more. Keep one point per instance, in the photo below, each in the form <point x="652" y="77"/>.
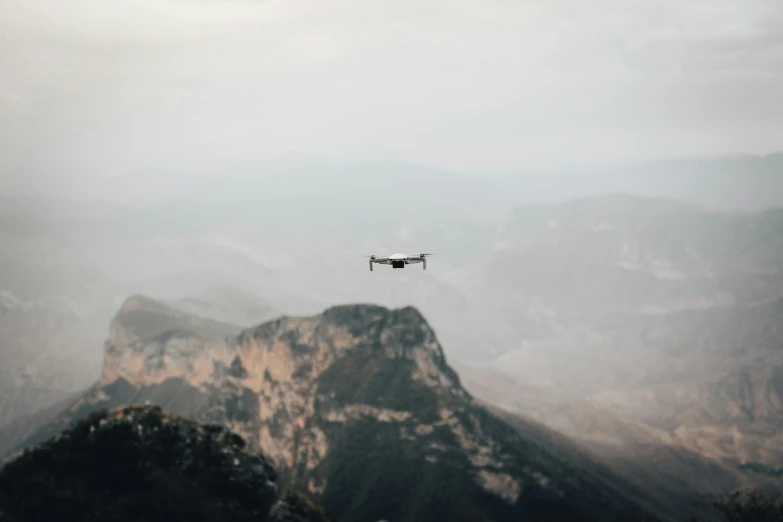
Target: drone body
<point x="399" y="260"/>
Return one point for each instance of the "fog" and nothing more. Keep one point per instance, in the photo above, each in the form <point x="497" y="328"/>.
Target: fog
<point x="122" y="99"/>
<point x="600" y="184"/>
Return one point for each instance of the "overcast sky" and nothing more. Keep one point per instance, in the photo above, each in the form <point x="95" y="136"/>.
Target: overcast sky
<point x="94" y="93"/>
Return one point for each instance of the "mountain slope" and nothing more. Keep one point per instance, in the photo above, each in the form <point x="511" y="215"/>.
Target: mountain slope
<point x="552" y="271"/>
<point x="50" y="334"/>
<point x="708" y="381"/>
<point x="136" y="463"/>
<point x="648" y="457"/>
<point x="660" y="310"/>
<point x="356" y="405"/>
<point x="719" y="383"/>
<point x="748" y="182"/>
<point x="647" y="252"/>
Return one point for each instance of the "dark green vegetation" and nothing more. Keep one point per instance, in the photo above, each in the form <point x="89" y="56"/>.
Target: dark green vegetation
<point x="748" y="506"/>
<point x="740" y="506"/>
<point x="141" y="463"/>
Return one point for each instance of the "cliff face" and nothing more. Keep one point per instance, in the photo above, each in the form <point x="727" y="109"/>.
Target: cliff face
<point x="356" y="405"/>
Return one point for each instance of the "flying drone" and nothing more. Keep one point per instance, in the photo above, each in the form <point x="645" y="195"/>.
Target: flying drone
<point x="399" y="260"/>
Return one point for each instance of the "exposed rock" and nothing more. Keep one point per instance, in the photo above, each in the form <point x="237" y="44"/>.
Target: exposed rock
<point x="358" y="407"/>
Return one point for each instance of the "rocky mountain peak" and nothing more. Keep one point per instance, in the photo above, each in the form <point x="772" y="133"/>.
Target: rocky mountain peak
<point x="142" y="319"/>
<point x="268" y="380"/>
<point x="350" y="330"/>
<point x="353" y="404"/>
<point x="150" y="342"/>
<point x="139" y="301"/>
<point x="403" y="329"/>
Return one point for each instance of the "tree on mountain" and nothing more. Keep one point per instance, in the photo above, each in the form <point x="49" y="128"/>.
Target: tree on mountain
<point x="747" y="506"/>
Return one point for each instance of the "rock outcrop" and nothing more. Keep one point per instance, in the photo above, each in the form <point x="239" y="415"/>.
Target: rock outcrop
<point x="357" y="406"/>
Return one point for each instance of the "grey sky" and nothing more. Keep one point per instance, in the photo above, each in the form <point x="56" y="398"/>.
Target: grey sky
<point x="94" y="92"/>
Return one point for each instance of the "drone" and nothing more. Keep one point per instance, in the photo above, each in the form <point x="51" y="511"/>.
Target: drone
<point x="399" y="260"/>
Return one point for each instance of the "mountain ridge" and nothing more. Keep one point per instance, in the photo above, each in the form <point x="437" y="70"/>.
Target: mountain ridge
<point x="140" y="461"/>
<point x="360" y="399"/>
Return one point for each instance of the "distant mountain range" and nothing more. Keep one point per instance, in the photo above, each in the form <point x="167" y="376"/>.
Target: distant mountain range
<point x="741" y="182"/>
<point x="228" y="305"/>
<point x="738" y="182"/>
<point x="554" y="273"/>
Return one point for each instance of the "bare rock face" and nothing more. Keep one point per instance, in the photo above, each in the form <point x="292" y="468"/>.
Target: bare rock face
<point x="141" y="462"/>
<point x="357" y="406"/>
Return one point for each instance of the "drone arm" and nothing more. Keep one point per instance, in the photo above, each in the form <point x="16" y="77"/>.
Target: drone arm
<point x="420" y="258"/>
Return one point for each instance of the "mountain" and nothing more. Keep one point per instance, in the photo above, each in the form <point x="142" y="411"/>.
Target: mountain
<point x="647" y="322"/>
<point x="550" y="273"/>
<point x="707" y="381"/>
<point x="357" y="406"/>
<point x="228" y="304"/>
<point x="645" y="455"/>
<point x="749" y="183"/>
<point x="157" y="322"/>
<point x="64" y="270"/>
<point x="140" y="462"/>
<point x="579" y="298"/>
<point x="94" y="254"/>
<point x="49" y="332"/>
<point x="670" y="477"/>
<point x="557" y="271"/>
<point x="649" y="255"/>
<point x="29" y="423"/>
<point x="742" y="182"/>
<point x="718" y="386"/>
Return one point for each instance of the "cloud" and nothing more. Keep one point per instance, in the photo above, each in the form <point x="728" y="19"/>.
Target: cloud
<point x="14" y="102"/>
<point x="123" y="90"/>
